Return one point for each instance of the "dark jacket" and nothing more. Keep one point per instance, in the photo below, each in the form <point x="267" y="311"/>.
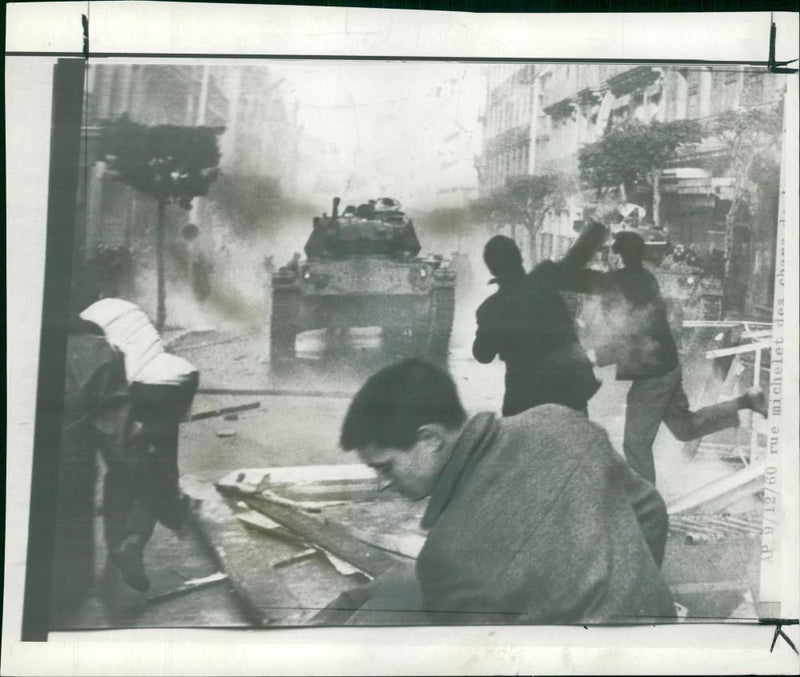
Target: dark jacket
<point x="635" y="333"/>
<point x="96" y="417"/>
<point x="526" y="323"/>
<point x="535" y="519"/>
<point x="97" y="408"/>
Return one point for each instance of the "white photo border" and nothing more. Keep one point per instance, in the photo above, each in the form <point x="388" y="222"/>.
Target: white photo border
<point x="183" y="28"/>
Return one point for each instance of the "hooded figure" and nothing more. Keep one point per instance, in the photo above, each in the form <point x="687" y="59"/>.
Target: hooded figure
<point x="527" y="325"/>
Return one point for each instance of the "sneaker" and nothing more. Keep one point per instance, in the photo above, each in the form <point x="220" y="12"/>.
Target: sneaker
<point x="129" y="559"/>
<point x="758" y="400"/>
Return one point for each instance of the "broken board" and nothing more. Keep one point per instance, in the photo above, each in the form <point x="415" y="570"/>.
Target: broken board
<point x="262" y="592"/>
<point x="301" y="554"/>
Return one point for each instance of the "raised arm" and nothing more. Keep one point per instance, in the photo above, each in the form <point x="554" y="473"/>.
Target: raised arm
<point x="570" y="271"/>
<point x="585" y="247"/>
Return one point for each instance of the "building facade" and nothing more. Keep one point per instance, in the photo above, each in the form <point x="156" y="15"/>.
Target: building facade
<point x="538" y="116"/>
<point x="458" y="142"/>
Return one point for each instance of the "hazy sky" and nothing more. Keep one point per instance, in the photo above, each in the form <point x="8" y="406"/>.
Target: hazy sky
<point x="385" y="117"/>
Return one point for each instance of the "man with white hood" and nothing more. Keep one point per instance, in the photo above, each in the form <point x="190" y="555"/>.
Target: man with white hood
<point x="162" y="387"/>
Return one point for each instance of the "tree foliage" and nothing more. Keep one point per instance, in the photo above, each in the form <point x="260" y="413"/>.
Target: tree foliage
<point x="170" y="163"/>
<point x="751" y="137"/>
<point x="748" y="135"/>
<point x="634" y="151"/>
<point x="523" y="200"/>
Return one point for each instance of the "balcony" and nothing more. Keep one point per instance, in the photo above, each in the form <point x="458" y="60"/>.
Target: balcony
<point x="566" y="84"/>
<point x="637" y="78"/>
<point x="563" y="109"/>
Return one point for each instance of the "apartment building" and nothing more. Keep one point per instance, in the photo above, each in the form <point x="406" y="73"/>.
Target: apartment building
<point x="539" y="115"/>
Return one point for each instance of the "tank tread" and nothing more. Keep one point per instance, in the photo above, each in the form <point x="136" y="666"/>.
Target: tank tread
<point x="283" y="325"/>
<point x="441" y="323"/>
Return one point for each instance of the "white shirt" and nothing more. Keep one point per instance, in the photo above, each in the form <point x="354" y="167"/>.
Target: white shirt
<point x="128" y="328"/>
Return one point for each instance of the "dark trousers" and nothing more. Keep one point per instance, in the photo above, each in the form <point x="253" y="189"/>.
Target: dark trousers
<point x="662" y="398"/>
<point x="73" y="543"/>
<point x="160" y="409"/>
<point x="124" y="509"/>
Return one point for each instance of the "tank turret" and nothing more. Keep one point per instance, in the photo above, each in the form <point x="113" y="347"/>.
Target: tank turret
<point x="376" y="228"/>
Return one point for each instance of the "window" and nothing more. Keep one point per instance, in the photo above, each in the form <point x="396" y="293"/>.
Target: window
<point x="717" y="93"/>
<point x="693" y="94"/>
<point x="679" y="100"/>
<point x="705" y="92"/>
<point x="731" y="90"/>
<point x="638" y="106"/>
<point x="752" y="88"/>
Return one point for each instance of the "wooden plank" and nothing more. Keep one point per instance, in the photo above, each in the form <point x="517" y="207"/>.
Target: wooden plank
<point x="722" y="492"/>
<point x="327" y="534"/>
<point x="407" y="545"/>
<point x="290" y="477"/>
<point x="277" y="392"/>
<point x="244" y="558"/>
<point x="189" y="586"/>
<point x="736" y="350"/>
<point x="226" y="410"/>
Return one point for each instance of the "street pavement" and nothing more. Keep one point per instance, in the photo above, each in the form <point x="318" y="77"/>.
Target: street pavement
<point x="300" y="426"/>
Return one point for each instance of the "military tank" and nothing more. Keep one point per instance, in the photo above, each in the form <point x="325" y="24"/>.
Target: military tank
<point x="363" y="269"/>
<point x="691" y="285"/>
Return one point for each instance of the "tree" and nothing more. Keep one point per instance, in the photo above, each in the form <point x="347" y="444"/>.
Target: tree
<point x="634" y="152"/>
<point x="170" y="163"/>
<point x="526" y="201"/>
<point x="751" y="137"/>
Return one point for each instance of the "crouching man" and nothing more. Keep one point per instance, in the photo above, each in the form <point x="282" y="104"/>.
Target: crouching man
<point x="162" y="388"/>
<point x="531" y="519"/>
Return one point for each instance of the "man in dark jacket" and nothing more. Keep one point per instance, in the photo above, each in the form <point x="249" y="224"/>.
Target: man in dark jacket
<point x="638" y="339"/>
<point x="97" y="417"/>
<point x="162" y="387"/>
<point x="532" y="518"/>
<point x="526" y="323"/>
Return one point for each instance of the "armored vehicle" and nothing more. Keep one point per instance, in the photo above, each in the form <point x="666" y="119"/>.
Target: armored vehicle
<point x="690" y="284"/>
<point x="363" y="269"/>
